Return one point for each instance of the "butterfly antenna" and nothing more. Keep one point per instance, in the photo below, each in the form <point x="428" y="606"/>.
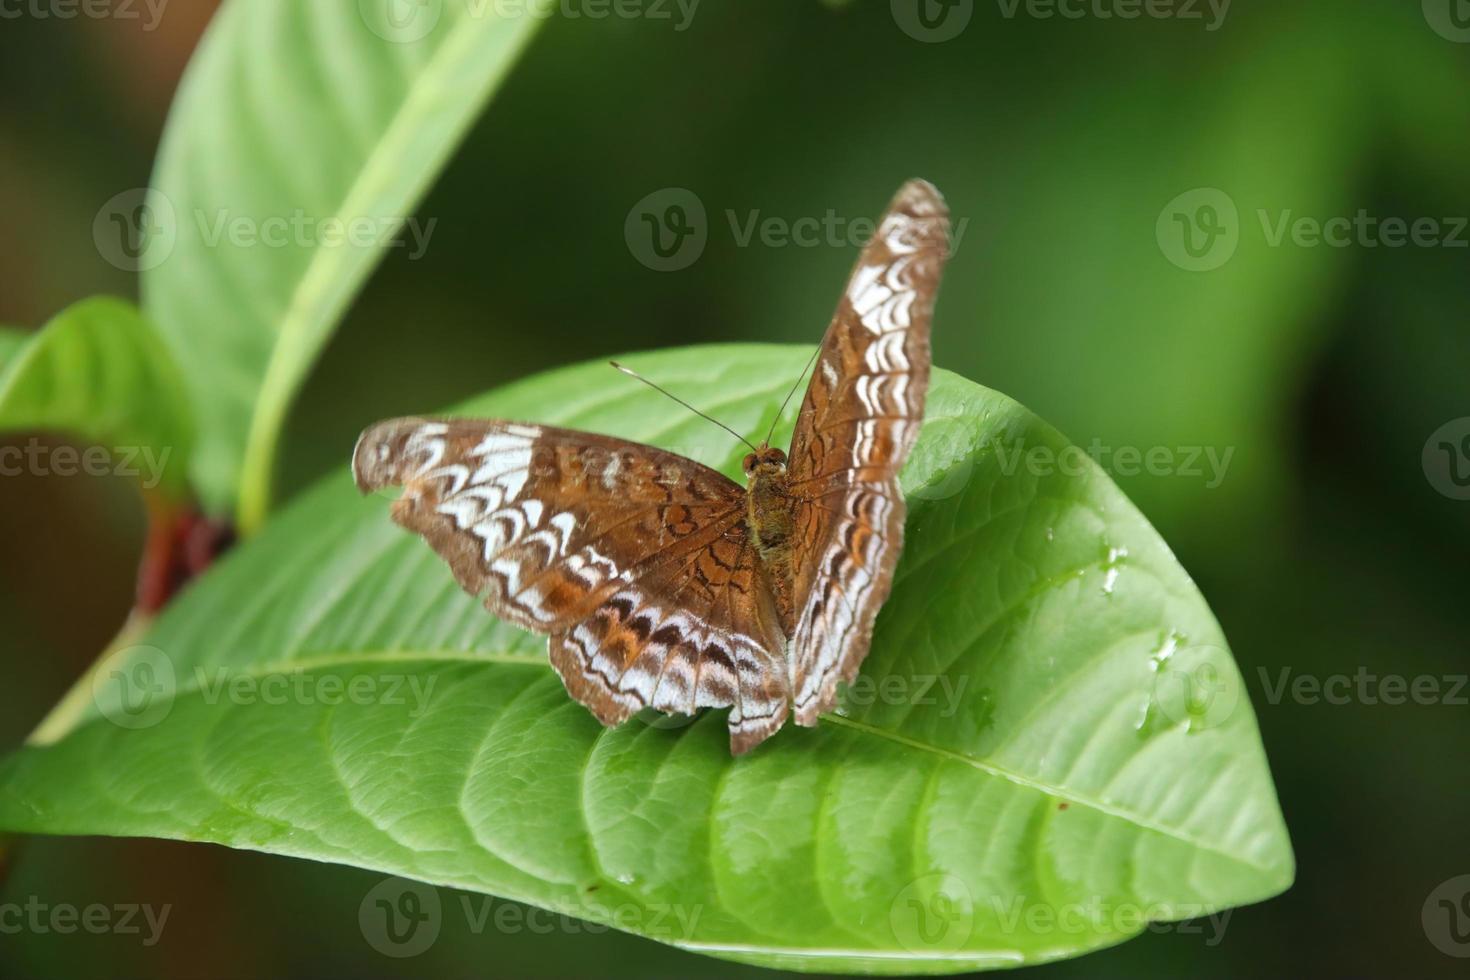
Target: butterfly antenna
<point x="634" y="374"/>
<point x="782" y="410"/>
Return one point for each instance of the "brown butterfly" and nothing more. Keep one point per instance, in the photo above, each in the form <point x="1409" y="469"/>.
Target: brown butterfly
<point x="661" y="582"/>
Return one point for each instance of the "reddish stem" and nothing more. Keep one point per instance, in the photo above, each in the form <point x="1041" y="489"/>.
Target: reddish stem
<point x="181" y="544"/>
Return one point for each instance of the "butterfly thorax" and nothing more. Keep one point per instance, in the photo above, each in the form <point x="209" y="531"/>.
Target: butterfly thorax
<point x="768" y="516"/>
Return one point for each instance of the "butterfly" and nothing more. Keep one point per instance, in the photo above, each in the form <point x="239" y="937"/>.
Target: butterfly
<point x="660" y="582"/>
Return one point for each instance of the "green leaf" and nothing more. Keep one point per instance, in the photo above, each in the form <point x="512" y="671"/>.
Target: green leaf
<point x="98" y="371"/>
<point x="296" y="124"/>
<point x="1048" y="747"/>
<point x="11" y="343"/>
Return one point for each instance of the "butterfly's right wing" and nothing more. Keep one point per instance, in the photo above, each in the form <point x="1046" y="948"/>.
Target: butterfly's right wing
<point x="636" y="561"/>
<point x="859" y="419"/>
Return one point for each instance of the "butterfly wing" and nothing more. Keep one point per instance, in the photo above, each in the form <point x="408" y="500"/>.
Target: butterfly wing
<point x="637" y="562"/>
<point x="860" y="417"/>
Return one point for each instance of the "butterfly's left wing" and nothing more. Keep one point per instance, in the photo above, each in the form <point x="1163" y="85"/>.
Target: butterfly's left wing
<point x="860" y="417"/>
<point x="635" y="561"/>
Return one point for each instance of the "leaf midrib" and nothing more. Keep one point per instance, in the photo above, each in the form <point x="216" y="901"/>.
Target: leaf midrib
<point x="325" y="661"/>
<point x="303" y="311"/>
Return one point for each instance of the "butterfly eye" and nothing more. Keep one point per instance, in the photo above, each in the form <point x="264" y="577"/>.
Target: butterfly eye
<point x="777" y="456"/>
<point x="749" y="463"/>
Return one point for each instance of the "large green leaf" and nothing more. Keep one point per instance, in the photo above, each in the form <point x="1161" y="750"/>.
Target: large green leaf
<point x="301" y="139"/>
<point x="1048" y="747"/>
<point x="99" y="372"/>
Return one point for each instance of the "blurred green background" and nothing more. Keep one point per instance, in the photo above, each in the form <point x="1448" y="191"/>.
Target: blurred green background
<point x="1063" y="144"/>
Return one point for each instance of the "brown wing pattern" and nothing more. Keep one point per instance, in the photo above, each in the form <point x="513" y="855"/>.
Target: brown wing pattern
<point x="637" y="562"/>
<point x="860" y="417"/>
<point x="693" y="633"/>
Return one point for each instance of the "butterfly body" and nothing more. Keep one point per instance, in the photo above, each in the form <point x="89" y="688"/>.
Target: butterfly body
<point x="769" y="521"/>
<point x="662" y="583"/>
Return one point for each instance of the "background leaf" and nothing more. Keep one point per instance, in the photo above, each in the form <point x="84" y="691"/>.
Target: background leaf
<point x="296" y="124"/>
<point x="98" y="371"/>
<point x="11" y="343"/>
<point x="1049" y="746"/>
